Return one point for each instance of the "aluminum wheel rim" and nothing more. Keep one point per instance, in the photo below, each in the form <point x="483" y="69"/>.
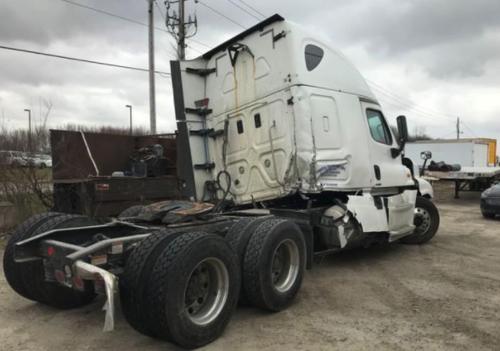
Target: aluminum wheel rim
<point x="285" y="265"/>
<point x="206" y="291"/>
<point x="422" y="220"/>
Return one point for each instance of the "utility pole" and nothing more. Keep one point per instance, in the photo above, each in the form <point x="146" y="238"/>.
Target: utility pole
<point x="458" y="128"/>
<point x="181" y="45"/>
<point x="130" y="111"/>
<point x="29" y="128"/>
<point x="179" y="27"/>
<point x="152" y="94"/>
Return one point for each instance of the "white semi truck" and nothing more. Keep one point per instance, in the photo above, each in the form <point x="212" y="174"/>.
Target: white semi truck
<point x="284" y="155"/>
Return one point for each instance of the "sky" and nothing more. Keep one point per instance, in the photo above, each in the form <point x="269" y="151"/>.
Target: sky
<point x="431" y="60"/>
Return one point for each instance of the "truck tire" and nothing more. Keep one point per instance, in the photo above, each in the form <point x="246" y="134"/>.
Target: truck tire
<point x="132" y="211"/>
<point x="14" y="271"/>
<point x="193" y="289"/>
<point x="135" y="278"/>
<point x="235" y="233"/>
<point x="238" y="236"/>
<point x="52" y="293"/>
<point x="274" y="264"/>
<point x="426" y="222"/>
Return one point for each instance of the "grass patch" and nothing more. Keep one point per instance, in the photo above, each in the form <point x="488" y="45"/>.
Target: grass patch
<point x="3" y="241"/>
<point x="28" y="189"/>
<point x="21" y="174"/>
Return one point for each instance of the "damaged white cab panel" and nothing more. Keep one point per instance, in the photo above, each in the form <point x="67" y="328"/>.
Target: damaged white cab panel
<point x="282" y="112"/>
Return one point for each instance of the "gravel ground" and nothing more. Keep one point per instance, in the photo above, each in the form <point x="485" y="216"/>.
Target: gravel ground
<point x="441" y="296"/>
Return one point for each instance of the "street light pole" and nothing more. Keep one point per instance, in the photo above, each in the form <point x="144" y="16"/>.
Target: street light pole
<point x="29" y="128"/>
<point x="130" y="110"/>
<point x="152" y="97"/>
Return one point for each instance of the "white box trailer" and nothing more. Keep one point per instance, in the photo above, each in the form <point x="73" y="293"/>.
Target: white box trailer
<point x="477" y="158"/>
<point x="478" y="152"/>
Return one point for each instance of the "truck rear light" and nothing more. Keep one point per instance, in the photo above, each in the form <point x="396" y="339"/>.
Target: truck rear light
<point x="102" y="187"/>
<point x="60" y="276"/>
<point x="78" y="283"/>
<point x="51" y="251"/>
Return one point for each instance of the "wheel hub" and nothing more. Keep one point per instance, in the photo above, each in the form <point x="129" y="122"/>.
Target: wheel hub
<point x="285" y="265"/>
<point x="422" y="221"/>
<point x="206" y="291"/>
<point x="197" y="291"/>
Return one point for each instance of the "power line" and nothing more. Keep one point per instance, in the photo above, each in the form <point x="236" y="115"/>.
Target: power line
<point x="243" y="9"/>
<point x="160" y="10"/>
<point x="103" y="12"/>
<point x="469" y="128"/>
<point x="252" y="8"/>
<point x="398" y="103"/>
<point x="221" y="14"/>
<point x="400" y="106"/>
<point x="80" y="60"/>
<point x="199" y="43"/>
<point x="410" y="105"/>
<point x="408" y="101"/>
<point x="112" y="15"/>
<point x="195" y="49"/>
<point x="129" y="19"/>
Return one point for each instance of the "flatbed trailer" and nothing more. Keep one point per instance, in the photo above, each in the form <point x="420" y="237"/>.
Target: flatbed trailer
<point x="468" y="178"/>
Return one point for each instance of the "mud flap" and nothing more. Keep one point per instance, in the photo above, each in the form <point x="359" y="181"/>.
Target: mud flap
<point x="91" y="272"/>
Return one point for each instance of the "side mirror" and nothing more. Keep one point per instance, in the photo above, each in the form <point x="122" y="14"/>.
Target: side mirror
<point x="403" y="136"/>
<point x="402" y="129"/>
<point x="426" y="155"/>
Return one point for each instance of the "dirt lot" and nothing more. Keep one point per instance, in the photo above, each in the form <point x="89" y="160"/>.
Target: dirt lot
<point x="441" y="296"/>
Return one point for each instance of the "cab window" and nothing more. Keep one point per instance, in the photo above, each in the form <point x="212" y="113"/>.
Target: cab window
<point x="378" y="127"/>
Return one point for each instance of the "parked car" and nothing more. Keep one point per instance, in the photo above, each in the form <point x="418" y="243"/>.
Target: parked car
<point x="490" y="201"/>
<point x="13" y="158"/>
<point x="4" y="158"/>
<point x="40" y="160"/>
<point x="24" y="159"/>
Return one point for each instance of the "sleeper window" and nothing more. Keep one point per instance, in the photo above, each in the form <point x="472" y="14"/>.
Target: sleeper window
<point x="239" y="127"/>
<point x="378" y="127"/>
<point x="258" y="122"/>
<point x="313" y="54"/>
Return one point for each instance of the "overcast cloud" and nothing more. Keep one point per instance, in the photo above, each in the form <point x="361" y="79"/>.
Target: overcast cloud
<point x="432" y="60"/>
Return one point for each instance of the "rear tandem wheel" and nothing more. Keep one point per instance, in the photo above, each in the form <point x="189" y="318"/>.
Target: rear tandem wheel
<point x="187" y="289"/>
<point x="30" y="282"/>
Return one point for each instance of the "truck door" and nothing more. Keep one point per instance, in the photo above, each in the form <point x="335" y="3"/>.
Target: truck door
<point x="386" y="170"/>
